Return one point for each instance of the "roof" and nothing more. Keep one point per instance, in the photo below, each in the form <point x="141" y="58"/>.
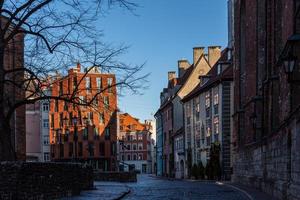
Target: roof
<point x="227" y="74"/>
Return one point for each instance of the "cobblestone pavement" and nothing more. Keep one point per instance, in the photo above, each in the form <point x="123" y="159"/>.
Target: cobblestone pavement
<point x="153" y="188"/>
<point x="103" y="191"/>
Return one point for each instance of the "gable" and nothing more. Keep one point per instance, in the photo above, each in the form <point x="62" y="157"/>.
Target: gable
<point x="200" y="68"/>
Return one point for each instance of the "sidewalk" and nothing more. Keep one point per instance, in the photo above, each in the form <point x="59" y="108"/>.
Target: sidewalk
<point x="103" y="191"/>
<point x="252" y="193"/>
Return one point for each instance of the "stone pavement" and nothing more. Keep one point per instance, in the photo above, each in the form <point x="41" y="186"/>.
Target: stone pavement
<point x="254" y="193"/>
<point x="103" y="191"/>
<point x="152" y="188"/>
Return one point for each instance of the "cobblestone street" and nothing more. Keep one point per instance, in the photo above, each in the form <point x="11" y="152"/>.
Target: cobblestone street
<point x="152" y="188"/>
<point x="149" y="187"/>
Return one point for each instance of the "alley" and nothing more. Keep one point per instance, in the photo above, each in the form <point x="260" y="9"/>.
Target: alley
<point x="153" y="188"/>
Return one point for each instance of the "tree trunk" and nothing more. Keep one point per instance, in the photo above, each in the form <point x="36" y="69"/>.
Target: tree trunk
<point x="7" y="152"/>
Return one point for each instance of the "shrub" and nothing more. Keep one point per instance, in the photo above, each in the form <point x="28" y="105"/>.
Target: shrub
<point x="195" y="171"/>
<point x="201" y="170"/>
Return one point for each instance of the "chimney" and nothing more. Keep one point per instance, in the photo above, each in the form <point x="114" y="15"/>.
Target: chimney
<point x="183" y="65"/>
<point x="171" y="75"/>
<point x="214" y="53"/>
<point x="197" y="53"/>
<point x="78" y="66"/>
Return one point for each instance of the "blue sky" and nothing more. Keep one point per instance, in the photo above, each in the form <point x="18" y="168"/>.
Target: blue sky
<point x="162" y="32"/>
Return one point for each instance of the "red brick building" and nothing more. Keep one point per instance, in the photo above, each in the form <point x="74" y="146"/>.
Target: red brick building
<point x="134" y="144"/>
<point x="14" y="59"/>
<point x="266" y="97"/>
<point x="85" y="133"/>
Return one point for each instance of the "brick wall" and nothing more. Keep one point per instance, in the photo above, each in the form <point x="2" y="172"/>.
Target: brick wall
<point x="21" y="180"/>
<point x="115" y="176"/>
<point x="266" y="149"/>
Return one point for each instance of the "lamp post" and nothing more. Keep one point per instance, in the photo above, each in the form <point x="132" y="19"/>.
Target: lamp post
<point x="75" y="138"/>
<point x="289" y="63"/>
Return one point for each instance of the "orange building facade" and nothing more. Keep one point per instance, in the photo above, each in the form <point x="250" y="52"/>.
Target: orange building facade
<point x="81" y="133"/>
<point x="135" y="144"/>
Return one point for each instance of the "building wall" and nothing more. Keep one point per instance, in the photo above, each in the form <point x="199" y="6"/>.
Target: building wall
<point x="159" y="144"/>
<point x="99" y="145"/>
<point x="13" y="59"/>
<point x="33" y="132"/>
<point x="266" y="131"/>
<point x="167" y="136"/>
<point x="135" y="144"/>
<point x="179" y="158"/>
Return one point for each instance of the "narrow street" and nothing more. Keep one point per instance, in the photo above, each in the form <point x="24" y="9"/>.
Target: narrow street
<point x="152" y="188"/>
<point x="149" y="187"/>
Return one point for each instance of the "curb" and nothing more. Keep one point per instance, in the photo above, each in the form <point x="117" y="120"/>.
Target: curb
<point x="236" y="188"/>
<point x="123" y="195"/>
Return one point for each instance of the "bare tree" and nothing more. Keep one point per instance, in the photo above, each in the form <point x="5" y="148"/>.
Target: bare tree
<point x="57" y="34"/>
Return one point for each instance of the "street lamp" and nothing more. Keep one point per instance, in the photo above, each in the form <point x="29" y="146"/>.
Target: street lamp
<point x="289" y="63"/>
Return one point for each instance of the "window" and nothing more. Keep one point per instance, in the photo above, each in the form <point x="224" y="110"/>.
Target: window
<point x="90" y="117"/>
<point x="134" y="147"/>
<point x="128" y="157"/>
<point x="66" y="136"/>
<point x="45" y="123"/>
<point x="207" y="100"/>
<point x="96" y="133"/>
<point x="216" y="125"/>
<point x="134" y="157"/>
<point x="133" y="137"/>
<point x="45" y="106"/>
<point x="88" y="84"/>
<point x="46" y="157"/>
<point x="61" y="88"/>
<point x="140" y="145"/>
<point x="98" y="82"/>
<point x="202" y="133"/>
<point x="102" y="148"/>
<point x="128" y="147"/>
<point x="56" y="105"/>
<point x="70" y="118"/>
<point x="109" y="84"/>
<point x="96" y="102"/>
<point x="101" y="118"/>
<point x="46" y="139"/>
<point x="216" y="98"/>
<point x="197" y="109"/>
<point x="107" y="133"/>
<point x="208" y="134"/>
<point x="188" y="120"/>
<point x="65" y="106"/>
<point x="140" y="137"/>
<point x="52" y="120"/>
<point x="61" y="119"/>
<point x="216" y="102"/>
<point x="140" y="157"/>
<point x="74" y="82"/>
<point x="106" y="102"/>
